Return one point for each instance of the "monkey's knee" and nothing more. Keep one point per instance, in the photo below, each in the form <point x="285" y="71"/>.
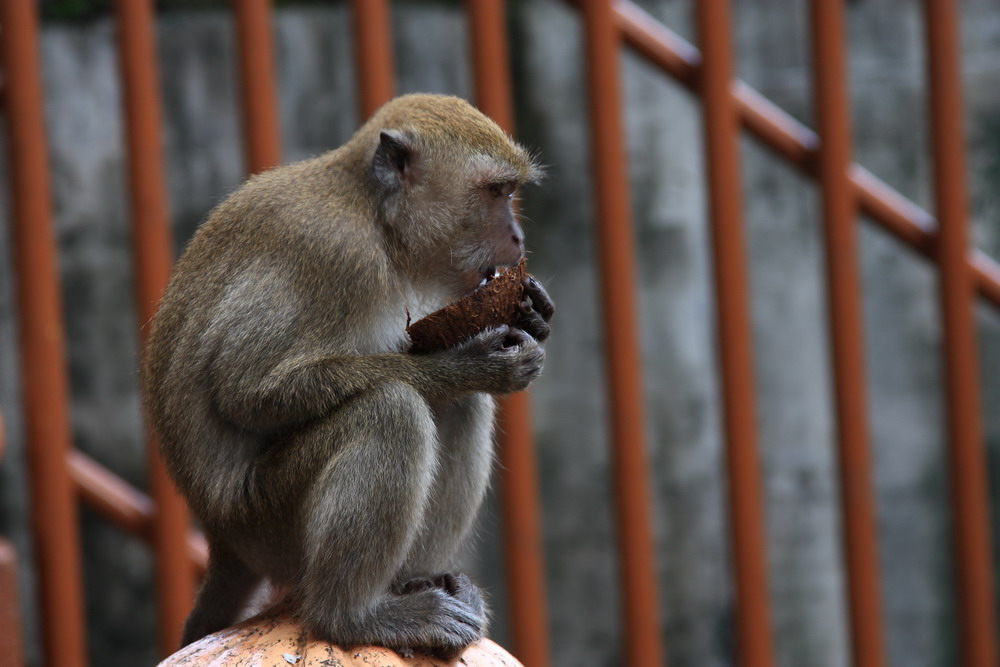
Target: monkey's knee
<point x="392" y="409"/>
<point x="374" y="486"/>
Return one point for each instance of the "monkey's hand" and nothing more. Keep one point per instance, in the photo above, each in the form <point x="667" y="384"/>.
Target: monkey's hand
<point x="500" y="361"/>
<point x="536" y="310"/>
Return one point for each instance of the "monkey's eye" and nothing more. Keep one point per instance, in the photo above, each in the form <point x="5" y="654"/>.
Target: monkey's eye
<point x="506" y="189"/>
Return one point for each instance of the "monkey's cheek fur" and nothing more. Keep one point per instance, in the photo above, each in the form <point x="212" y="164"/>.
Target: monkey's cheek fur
<point x="276" y="637"/>
<point x="488" y="306"/>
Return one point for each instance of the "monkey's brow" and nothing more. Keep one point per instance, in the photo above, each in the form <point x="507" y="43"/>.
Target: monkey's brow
<point x="494" y="182"/>
<point x="494" y="170"/>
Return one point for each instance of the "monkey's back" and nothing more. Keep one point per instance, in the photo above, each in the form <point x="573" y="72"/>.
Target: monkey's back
<point x="275" y="270"/>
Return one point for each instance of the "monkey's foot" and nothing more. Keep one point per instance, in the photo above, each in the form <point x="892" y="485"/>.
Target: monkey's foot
<point x="459" y="587"/>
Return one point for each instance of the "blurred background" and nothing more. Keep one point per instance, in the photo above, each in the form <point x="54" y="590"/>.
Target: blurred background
<point x="662" y="125"/>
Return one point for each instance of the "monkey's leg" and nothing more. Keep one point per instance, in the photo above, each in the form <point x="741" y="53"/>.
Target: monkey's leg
<point x="224" y="592"/>
<point x="360" y="520"/>
<point x="465" y="459"/>
<point x="465" y="437"/>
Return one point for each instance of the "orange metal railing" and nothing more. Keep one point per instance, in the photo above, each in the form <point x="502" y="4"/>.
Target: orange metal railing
<point x="973" y="553"/>
<point x="840" y="212"/>
<point x="42" y="351"/>
<point x="11" y="639"/>
<point x="258" y="85"/>
<point x="153" y="256"/>
<point x="373" y="54"/>
<point x="746" y="513"/>
<point x="618" y="296"/>
<point x="61" y="475"/>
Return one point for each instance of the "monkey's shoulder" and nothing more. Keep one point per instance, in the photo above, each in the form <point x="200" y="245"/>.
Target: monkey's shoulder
<point x="300" y="208"/>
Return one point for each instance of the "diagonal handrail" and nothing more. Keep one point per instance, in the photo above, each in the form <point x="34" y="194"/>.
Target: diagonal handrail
<point x="796" y="143"/>
<point x="128" y="508"/>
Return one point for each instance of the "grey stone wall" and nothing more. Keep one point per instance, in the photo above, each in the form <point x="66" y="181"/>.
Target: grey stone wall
<point x="786" y="283"/>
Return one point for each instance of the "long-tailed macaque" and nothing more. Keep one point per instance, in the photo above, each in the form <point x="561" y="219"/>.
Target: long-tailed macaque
<point x="317" y="454"/>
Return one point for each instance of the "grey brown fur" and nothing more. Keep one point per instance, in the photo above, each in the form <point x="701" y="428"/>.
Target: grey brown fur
<point x="317" y="453"/>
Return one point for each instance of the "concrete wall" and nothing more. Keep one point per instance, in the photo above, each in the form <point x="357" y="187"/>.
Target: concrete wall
<point x="796" y="429"/>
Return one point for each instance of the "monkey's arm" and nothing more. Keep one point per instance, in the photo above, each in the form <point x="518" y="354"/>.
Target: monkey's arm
<point x="303" y="387"/>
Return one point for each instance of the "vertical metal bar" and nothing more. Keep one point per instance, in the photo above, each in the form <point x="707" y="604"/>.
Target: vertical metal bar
<point x="255" y="45"/>
<point x="490" y="69"/>
<point x="42" y="347"/>
<point x="153" y="253"/>
<point x="722" y="125"/>
<point x="840" y="207"/>
<point x="523" y="557"/>
<point x="643" y="643"/>
<point x="373" y="50"/>
<point x="973" y="559"/>
<point x="11" y="630"/>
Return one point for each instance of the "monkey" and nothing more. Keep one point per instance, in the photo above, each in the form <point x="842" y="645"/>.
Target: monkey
<point x="316" y="453"/>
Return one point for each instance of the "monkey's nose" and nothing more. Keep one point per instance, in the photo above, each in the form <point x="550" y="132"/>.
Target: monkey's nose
<point x="517" y="236"/>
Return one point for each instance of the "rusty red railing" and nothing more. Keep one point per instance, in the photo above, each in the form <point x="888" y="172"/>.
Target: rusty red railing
<point x="970" y="509"/>
<point x="152" y="244"/>
<point x="840" y="211"/>
<point x="60" y="475"/>
<point x="373" y="54"/>
<point x="753" y="616"/>
<point x="618" y="296"/>
<point x="12" y="637"/>
<point x="44" y="383"/>
<point x="258" y="84"/>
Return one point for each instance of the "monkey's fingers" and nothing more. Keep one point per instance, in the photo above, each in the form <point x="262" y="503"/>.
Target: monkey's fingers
<point x="403" y="651"/>
<point x="414" y="586"/>
<point x="461" y="587"/>
<point x="532" y="323"/>
<point x="446" y="654"/>
<point x="516" y="337"/>
<point x="540" y="299"/>
<point x="470" y="594"/>
<point x="495" y="339"/>
<point x="448" y="582"/>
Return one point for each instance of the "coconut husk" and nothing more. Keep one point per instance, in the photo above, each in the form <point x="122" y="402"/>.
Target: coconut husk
<point x="490" y="305"/>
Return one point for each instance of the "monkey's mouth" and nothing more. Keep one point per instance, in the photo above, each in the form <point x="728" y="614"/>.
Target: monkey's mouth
<point x="477" y="278"/>
<point x="488" y="274"/>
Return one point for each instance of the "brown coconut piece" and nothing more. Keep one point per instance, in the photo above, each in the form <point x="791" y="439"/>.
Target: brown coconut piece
<point x="488" y="306"/>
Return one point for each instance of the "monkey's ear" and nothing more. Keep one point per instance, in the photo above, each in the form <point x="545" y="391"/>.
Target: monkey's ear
<point x="394" y="160"/>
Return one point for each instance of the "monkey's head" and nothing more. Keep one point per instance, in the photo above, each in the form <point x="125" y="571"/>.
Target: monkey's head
<point x="445" y="180"/>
